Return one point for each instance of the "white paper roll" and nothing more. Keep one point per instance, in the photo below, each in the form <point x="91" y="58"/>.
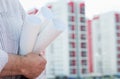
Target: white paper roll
<point x="29" y="33"/>
<point x="49" y="33"/>
<point x="46" y="12"/>
<point x="33" y="25"/>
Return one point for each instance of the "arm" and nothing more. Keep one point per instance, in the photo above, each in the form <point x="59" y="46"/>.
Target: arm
<point x="13" y="67"/>
<point x="23" y="65"/>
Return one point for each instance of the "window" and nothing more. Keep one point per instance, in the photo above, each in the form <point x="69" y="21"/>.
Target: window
<point x="72" y="36"/>
<point x="84" y="62"/>
<point x="82" y="19"/>
<point x="83" y="45"/>
<point x="83" y="36"/>
<point x="117" y="16"/>
<point x="72" y="27"/>
<point x="84" y="71"/>
<point x="82" y="28"/>
<point x="118" y="69"/>
<point x="118" y="41"/>
<point x="72" y="53"/>
<point x="71" y="7"/>
<point x="118" y="27"/>
<point x="71" y="18"/>
<point x="72" y="63"/>
<point x="73" y="71"/>
<point x="118" y="34"/>
<point x="118" y="62"/>
<point x="118" y="55"/>
<point x="72" y="44"/>
<point x="118" y="48"/>
<point x="83" y="54"/>
<point x="82" y="8"/>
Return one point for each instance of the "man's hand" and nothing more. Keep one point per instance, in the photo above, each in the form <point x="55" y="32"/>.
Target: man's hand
<point x="30" y="66"/>
<point x="33" y="65"/>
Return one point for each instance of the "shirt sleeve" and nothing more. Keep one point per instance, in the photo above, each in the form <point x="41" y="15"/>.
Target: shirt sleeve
<point x="22" y="11"/>
<point x="3" y="59"/>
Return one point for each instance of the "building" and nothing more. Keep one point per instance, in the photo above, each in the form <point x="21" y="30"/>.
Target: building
<point x="94" y="47"/>
<point x="78" y="59"/>
<point x="57" y="53"/>
<point x="68" y="55"/>
<point x="106" y="44"/>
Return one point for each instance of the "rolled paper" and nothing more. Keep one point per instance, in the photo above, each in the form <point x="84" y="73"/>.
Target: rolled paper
<point x="46" y="12"/>
<point x="29" y="33"/>
<point x="45" y="15"/>
<point x="33" y="25"/>
<point x="49" y="33"/>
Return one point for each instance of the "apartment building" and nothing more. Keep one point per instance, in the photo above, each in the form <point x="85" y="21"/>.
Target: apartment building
<point x="68" y="55"/>
<point x="57" y="53"/>
<point x="77" y="40"/>
<point x="105" y="44"/>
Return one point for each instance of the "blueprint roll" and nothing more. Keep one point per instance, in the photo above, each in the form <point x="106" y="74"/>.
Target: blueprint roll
<point x="33" y="25"/>
<point x="46" y="15"/>
<point x="48" y="34"/>
<point x="29" y="33"/>
<point x="45" y="12"/>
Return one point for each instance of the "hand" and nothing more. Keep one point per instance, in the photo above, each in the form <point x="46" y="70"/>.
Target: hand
<point x="33" y="65"/>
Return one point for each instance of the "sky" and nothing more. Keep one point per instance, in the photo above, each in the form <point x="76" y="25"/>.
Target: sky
<point x="93" y="7"/>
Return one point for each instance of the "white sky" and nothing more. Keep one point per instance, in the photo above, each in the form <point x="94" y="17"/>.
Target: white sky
<point x="93" y="7"/>
<point x="28" y="4"/>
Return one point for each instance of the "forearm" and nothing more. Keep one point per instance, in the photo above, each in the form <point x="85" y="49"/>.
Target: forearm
<point x="13" y="67"/>
<point x="23" y="65"/>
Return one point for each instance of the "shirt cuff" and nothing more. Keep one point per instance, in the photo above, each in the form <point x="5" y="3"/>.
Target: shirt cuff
<point x="3" y="59"/>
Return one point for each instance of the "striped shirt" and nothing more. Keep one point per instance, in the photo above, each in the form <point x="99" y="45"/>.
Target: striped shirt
<point x="11" y="21"/>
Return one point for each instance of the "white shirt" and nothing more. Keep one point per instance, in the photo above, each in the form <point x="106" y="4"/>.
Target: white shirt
<point x="11" y="21"/>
